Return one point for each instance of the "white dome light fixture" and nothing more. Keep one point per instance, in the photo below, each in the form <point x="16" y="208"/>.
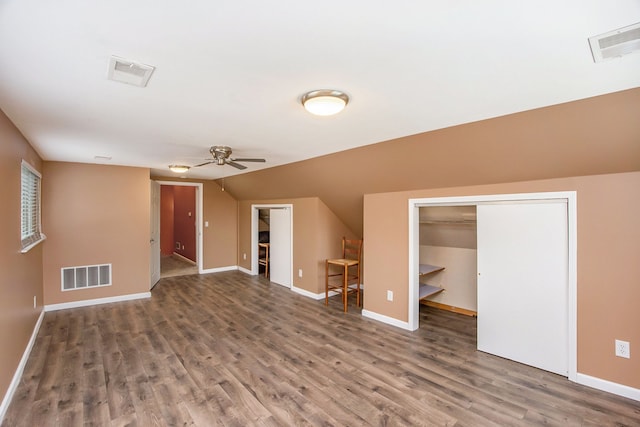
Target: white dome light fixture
<point x="179" y="168"/>
<point x="324" y="102"/>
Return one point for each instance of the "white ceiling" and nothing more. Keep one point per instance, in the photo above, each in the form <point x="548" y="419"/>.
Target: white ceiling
<point x="232" y="72"/>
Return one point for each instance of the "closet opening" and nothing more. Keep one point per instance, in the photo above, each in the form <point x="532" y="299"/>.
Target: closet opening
<point x="447" y="258"/>
<point x="509" y="259"/>
<point x="272" y="258"/>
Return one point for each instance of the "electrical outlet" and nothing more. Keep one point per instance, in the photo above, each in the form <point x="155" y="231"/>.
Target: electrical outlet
<point x="35" y="301"/>
<point x="299" y="272"/>
<point x="389" y="295"/>
<point x="623" y="349"/>
<point x="244" y="256"/>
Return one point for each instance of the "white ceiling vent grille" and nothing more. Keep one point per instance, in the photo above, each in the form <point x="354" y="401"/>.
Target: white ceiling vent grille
<point x="130" y="72"/>
<point x="616" y="43"/>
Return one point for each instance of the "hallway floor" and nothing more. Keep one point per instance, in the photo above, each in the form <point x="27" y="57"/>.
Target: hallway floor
<point x="172" y="265"/>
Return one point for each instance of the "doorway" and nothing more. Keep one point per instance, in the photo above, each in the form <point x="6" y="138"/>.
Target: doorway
<point x="280" y="242"/>
<point x="530" y="318"/>
<point x="186" y="203"/>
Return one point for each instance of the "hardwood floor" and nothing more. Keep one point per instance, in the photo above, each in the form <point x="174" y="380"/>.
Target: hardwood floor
<point x="230" y="349"/>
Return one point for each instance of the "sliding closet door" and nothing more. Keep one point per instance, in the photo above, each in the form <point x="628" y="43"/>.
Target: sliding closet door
<point x="523" y="283"/>
<point x="280" y="246"/>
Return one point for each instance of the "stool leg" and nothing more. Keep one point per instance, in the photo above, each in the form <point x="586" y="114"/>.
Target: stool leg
<point x="358" y="286"/>
<point x="326" y="283"/>
<point x="346" y="288"/>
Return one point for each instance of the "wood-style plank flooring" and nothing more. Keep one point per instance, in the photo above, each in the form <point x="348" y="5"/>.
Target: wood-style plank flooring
<point x="230" y="349"/>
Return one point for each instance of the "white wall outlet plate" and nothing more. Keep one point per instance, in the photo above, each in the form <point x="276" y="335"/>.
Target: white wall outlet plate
<point x="389" y="295"/>
<point x="623" y="349"/>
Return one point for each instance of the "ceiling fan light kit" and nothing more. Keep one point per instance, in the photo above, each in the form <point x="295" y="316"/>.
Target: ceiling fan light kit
<point x="179" y="168"/>
<point x="325" y="102"/>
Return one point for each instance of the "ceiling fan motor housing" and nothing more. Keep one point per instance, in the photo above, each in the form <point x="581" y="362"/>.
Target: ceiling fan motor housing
<point x="220" y="152"/>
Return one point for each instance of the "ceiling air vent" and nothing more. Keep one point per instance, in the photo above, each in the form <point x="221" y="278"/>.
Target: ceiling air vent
<point x="616" y="43"/>
<point x="130" y="72"/>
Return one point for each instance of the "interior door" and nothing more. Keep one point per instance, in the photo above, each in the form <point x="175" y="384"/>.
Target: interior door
<point x="280" y="246"/>
<point x="154" y="239"/>
<point x="523" y="283"/>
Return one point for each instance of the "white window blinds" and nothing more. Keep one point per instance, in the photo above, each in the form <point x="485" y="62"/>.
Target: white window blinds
<point x="31" y="229"/>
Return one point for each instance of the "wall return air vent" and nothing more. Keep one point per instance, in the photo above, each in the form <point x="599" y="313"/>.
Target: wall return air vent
<point x="86" y="276"/>
<point x="615" y="43"/>
<point x="130" y="72"/>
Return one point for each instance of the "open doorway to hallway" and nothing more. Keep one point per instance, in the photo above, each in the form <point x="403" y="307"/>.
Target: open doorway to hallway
<point x="180" y="235"/>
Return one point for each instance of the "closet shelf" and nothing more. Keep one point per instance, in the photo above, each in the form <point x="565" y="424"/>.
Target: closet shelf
<point x="448" y="221"/>
<point x="428" y="290"/>
<point x="425" y="290"/>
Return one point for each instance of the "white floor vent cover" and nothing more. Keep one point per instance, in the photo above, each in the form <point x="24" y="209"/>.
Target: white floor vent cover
<point x="88" y="276"/>
<point x="130" y="72"/>
<point x="615" y="43"/>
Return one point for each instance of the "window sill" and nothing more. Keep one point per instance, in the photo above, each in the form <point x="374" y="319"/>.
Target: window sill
<point x="34" y="244"/>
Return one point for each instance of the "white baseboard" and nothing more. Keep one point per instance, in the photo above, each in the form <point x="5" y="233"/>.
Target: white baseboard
<point x="608" y="386"/>
<point x="88" y="302"/>
<point x="320" y="295"/>
<point x="246" y="271"/>
<point x="219" y="269"/>
<point x="385" y="319"/>
<point x="310" y="294"/>
<point x="18" y="374"/>
<point x="184" y="258"/>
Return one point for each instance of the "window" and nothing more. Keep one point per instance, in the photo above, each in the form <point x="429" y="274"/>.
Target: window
<point x="31" y="228"/>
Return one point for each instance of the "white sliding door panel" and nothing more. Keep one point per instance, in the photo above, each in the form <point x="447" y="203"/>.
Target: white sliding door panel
<point x="523" y="283"/>
<point x="280" y="246"/>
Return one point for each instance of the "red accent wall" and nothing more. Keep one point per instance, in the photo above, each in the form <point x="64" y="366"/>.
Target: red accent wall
<point x="166" y="220"/>
<point x="184" y="221"/>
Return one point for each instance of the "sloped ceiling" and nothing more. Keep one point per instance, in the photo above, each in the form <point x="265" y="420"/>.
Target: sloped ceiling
<point x="232" y="73"/>
<point x="587" y="137"/>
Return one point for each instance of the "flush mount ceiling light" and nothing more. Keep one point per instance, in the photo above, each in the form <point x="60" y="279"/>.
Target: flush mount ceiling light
<point x="324" y="102"/>
<point x="179" y="168"/>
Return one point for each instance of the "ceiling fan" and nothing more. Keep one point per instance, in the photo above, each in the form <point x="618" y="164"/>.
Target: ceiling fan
<point x="221" y="157"/>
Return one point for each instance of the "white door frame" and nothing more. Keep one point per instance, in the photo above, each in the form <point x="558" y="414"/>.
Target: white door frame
<point x="254" y="234"/>
<point x="198" y="218"/>
<point x="154" y="239"/>
<point x="414" y="250"/>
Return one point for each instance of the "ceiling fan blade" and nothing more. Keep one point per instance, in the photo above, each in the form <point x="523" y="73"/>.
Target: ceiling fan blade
<point x="205" y="163"/>
<point x="235" y="165"/>
<point x="249" y="160"/>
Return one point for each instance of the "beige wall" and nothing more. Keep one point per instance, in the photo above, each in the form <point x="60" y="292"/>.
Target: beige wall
<point x="329" y="231"/>
<point x="220" y="239"/>
<point x="20" y="274"/>
<point x="317" y="234"/>
<point x="96" y="214"/>
<point x="608" y="264"/>
<point x="587" y="137"/>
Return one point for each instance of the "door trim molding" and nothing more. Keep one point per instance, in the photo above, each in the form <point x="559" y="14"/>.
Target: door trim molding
<point x="254" y="234"/>
<point x="572" y="242"/>
<point x="199" y="216"/>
